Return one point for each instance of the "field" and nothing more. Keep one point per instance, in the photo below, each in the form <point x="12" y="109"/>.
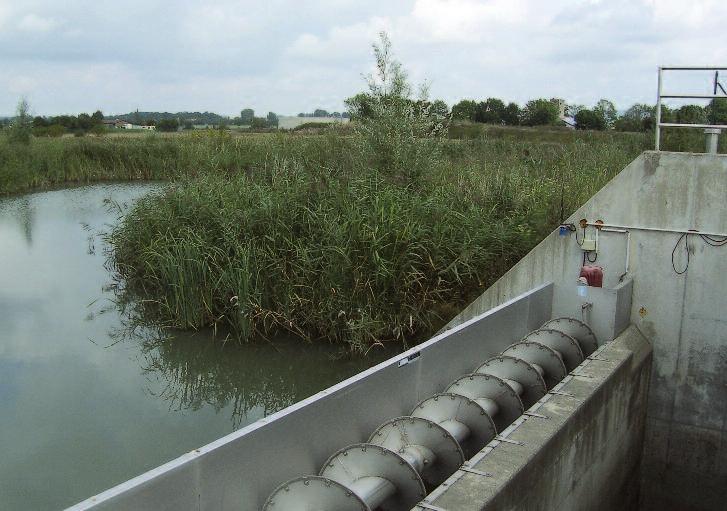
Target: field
<point x="330" y="236"/>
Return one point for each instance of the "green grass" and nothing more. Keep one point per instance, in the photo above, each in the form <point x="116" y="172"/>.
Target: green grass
<point x="50" y="162"/>
<point x="357" y="239"/>
<point x="307" y="235"/>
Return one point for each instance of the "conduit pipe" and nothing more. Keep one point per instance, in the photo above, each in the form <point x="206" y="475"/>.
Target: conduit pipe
<point x="407" y="456"/>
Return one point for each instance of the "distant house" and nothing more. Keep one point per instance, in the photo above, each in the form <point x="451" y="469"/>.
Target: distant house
<point x="289" y="122"/>
<point x="149" y="128"/>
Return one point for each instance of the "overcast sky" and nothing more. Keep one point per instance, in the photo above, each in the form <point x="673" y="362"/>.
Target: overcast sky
<point x="292" y="56"/>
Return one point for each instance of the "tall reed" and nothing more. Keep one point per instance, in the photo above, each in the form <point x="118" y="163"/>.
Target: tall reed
<point x="300" y="235"/>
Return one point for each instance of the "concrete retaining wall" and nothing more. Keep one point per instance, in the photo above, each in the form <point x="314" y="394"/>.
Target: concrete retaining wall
<point x="583" y="455"/>
<point x="683" y="315"/>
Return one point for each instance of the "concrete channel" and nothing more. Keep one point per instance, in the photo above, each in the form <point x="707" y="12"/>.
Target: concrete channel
<point x="637" y="423"/>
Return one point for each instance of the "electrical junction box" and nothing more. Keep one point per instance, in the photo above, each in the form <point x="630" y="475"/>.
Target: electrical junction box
<point x="588" y="245"/>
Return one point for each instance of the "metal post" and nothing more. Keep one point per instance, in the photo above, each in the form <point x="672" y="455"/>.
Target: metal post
<point x="712" y="139"/>
<point x="658" y="113"/>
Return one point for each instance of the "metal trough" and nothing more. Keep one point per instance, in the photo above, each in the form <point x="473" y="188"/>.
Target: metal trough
<point x="407" y="455"/>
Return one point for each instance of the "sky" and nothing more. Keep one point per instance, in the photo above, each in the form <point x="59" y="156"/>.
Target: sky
<point x="294" y="56"/>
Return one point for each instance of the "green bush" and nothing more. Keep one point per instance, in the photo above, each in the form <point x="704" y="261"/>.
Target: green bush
<point x="296" y="234"/>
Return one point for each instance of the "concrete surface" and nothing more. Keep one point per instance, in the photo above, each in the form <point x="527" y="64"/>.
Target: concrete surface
<point x="584" y="452"/>
<point x="684" y="316"/>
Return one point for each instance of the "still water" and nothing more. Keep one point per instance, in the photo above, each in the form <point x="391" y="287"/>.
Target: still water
<point x="86" y="401"/>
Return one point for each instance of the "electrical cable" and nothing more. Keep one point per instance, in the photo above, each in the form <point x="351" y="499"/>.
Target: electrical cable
<point x="583" y="238"/>
<point x="713" y="241"/>
<point x="673" y="251"/>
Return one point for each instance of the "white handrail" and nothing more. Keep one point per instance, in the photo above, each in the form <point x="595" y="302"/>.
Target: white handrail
<point x="661" y="95"/>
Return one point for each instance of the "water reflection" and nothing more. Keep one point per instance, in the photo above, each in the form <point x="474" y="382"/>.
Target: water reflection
<point x="249" y="381"/>
<point x="23" y="212"/>
<point x="87" y="401"/>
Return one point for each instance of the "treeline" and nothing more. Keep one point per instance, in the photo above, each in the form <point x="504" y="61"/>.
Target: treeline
<point x="602" y="116"/>
<point x="55" y="126"/>
<point x="642" y="117"/>
<point x="319" y="112"/>
<point x="537" y="112"/>
<point x="191" y="120"/>
<point x="153" y="118"/>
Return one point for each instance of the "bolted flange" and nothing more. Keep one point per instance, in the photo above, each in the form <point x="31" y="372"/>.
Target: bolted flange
<point x="545" y="357"/>
<point x="477" y="386"/>
<point x="314" y="492"/>
<point x="569" y="348"/>
<point x="576" y="329"/>
<point x="356" y="462"/>
<point x="447" y="407"/>
<point x="405" y="435"/>
<point x="522" y="372"/>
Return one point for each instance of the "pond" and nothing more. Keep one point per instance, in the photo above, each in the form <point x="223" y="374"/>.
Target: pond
<point x="87" y="400"/>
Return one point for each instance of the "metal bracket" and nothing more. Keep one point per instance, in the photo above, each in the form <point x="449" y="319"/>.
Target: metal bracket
<point x="582" y="375"/>
<point x="475" y="471"/>
<point x="538" y="415"/>
<point x="561" y="393"/>
<point x="424" y="505"/>
<point x="411" y="358"/>
<point x="507" y="440"/>
<point x="599" y="359"/>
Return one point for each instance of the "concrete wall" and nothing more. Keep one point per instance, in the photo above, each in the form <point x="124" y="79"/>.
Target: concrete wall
<point x="684" y="316"/>
<point x="239" y="471"/>
<point x="583" y="453"/>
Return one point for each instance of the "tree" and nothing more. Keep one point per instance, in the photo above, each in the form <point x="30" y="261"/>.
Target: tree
<point x="639" y="117"/>
<point x="572" y="110"/>
<point x="247" y="115"/>
<point x="319" y="112"/>
<point x="464" y="110"/>
<point x="39" y="122"/>
<point x="667" y="114"/>
<point x="85" y="122"/>
<point x="590" y="120"/>
<point x="360" y="106"/>
<point x="490" y="111"/>
<point x="439" y="109"/>
<point x="97" y="117"/>
<point x="168" y="125"/>
<point x="259" y="123"/>
<point x="22" y="126"/>
<point x="540" y="112"/>
<point x="607" y="111"/>
<point x="55" y="130"/>
<point x="389" y="137"/>
<point x="691" y="114"/>
<point x="272" y="120"/>
<point x="511" y="114"/>
<point x="188" y="125"/>
<point x="717" y="111"/>
<point x="98" y="129"/>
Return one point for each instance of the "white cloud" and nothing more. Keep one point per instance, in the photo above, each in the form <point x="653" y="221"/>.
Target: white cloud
<point x="466" y="21"/>
<point x="288" y="56"/>
<point x="340" y="41"/>
<point x="35" y="23"/>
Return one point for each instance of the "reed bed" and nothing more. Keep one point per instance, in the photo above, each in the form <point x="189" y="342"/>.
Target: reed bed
<point x="309" y="235"/>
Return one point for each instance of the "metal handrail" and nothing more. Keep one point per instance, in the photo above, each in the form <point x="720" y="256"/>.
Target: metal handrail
<point x="661" y="96"/>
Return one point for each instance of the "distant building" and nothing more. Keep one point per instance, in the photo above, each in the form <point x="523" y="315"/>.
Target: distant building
<point x="149" y="128"/>
<point x="288" y="123"/>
